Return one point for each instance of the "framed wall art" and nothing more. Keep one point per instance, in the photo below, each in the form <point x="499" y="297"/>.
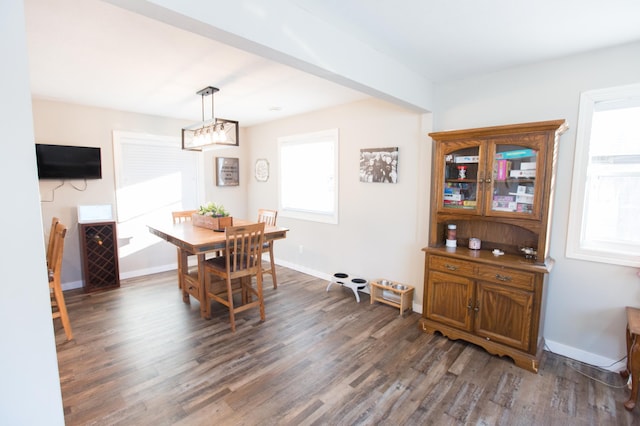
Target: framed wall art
<point x="262" y="170"/>
<point x="227" y="171"/>
<point x="379" y="165"/>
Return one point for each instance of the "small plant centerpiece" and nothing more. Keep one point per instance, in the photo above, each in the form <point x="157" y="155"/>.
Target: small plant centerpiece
<point x="212" y="216"/>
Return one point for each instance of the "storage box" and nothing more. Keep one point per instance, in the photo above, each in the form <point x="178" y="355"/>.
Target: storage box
<point x="522" y="189"/>
<point x="504" y="198"/>
<point x="518" y="153"/>
<point x="467" y="159"/>
<point x="525" y="208"/>
<point x="209" y="222"/>
<point x="526" y="165"/>
<point x="504" y="207"/>
<point x="503" y="169"/>
<point x="522" y="173"/>
<point x="524" y="198"/>
<point x="453" y="197"/>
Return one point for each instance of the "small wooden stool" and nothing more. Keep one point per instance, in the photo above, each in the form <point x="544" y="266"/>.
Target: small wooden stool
<point x="633" y="355"/>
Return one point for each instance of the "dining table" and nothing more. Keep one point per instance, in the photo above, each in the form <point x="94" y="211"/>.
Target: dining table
<point x="195" y="240"/>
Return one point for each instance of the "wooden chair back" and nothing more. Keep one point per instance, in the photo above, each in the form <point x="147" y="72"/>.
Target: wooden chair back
<point x="242" y="260"/>
<point x="183" y="216"/>
<point x="267" y="216"/>
<point x="58" y="305"/>
<point x="243" y="251"/>
<point x="54" y="222"/>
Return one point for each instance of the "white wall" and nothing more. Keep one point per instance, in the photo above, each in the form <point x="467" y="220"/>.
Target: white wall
<point x="382" y="227"/>
<point x="585" y="313"/>
<point x="69" y="124"/>
<point x="29" y="384"/>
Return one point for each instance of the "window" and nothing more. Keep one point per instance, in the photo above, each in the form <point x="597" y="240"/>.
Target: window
<point x="154" y="177"/>
<point x="605" y="197"/>
<point x="308" y="176"/>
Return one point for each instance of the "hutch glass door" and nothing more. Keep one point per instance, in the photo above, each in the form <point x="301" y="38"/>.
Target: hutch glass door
<point x="461" y="182"/>
<point x="513" y="184"/>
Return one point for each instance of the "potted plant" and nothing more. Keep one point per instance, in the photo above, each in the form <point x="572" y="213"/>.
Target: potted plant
<point x="212" y="216"/>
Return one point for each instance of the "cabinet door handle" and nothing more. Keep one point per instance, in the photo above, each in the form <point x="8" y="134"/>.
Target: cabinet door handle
<point x="480" y="180"/>
<point x="503" y="277"/>
<point x="488" y="180"/>
<point x="451" y="267"/>
<point x="469" y="306"/>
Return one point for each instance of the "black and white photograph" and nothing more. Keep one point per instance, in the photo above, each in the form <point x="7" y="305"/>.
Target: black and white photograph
<point x="379" y="165"/>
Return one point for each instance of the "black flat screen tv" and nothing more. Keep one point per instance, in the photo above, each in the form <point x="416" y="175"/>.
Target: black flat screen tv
<point x="68" y="162"/>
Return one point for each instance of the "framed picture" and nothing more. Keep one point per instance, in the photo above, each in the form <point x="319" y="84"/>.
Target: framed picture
<point x="227" y="171"/>
<point x="379" y="165"/>
<point x="262" y="170"/>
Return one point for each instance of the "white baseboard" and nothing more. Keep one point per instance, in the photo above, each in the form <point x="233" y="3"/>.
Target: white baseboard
<point x="586" y="357"/>
<point x="123" y="276"/>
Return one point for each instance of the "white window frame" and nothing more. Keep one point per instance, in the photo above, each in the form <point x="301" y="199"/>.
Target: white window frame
<point x="304" y="170"/>
<point x="577" y="248"/>
<point x="131" y="226"/>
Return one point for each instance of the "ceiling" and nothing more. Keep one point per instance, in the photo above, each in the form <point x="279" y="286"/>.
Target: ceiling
<point x="94" y="53"/>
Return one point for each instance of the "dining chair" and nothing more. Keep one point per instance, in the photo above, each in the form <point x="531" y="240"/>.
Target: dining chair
<point x="58" y="306"/>
<point x="54" y="222"/>
<point x="179" y="217"/>
<point x="242" y="260"/>
<point x="183" y="216"/>
<point x="269" y="218"/>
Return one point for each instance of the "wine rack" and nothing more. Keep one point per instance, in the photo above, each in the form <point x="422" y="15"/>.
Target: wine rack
<point x="99" y="249"/>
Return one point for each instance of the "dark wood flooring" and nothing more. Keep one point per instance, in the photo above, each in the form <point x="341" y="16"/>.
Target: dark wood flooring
<point x="143" y="357"/>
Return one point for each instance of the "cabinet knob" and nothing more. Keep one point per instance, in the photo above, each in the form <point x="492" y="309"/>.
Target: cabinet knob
<point x="469" y="306"/>
<point x="488" y="180"/>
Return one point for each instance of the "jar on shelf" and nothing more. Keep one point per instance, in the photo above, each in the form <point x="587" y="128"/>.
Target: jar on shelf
<point x="451" y="236"/>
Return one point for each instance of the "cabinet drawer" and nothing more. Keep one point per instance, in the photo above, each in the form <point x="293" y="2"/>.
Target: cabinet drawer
<point x="192" y="286"/>
<point x="453" y="266"/>
<point x="505" y="276"/>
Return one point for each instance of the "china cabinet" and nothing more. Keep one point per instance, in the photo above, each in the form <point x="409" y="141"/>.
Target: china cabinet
<point x="495" y="185"/>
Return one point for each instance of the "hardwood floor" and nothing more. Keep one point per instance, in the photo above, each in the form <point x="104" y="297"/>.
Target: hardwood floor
<point x="143" y="357"/>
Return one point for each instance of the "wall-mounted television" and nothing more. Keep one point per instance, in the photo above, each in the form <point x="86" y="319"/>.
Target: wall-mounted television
<point x="68" y="162"/>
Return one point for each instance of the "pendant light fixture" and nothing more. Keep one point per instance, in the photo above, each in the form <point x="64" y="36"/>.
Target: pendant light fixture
<point x="212" y="132"/>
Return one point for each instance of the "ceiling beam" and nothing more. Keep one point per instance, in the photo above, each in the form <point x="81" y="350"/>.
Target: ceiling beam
<point x="281" y="31"/>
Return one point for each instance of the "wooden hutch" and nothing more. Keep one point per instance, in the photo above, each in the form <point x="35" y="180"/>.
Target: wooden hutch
<point x="495" y="184"/>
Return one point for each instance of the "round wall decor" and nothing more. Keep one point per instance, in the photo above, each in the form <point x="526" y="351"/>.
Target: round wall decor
<point x="262" y="170"/>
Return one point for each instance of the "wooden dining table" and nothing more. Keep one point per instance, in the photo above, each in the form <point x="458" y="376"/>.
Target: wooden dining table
<point x="195" y="240"/>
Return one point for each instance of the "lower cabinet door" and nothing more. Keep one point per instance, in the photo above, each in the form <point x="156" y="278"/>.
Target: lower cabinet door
<point x="504" y="314"/>
<point x="449" y="300"/>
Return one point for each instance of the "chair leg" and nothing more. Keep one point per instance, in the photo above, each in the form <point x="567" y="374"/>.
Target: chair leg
<point x="260" y="294"/>
<point x="62" y="307"/>
<point x="207" y="300"/>
<point x="273" y="266"/>
<point x="232" y="316"/>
